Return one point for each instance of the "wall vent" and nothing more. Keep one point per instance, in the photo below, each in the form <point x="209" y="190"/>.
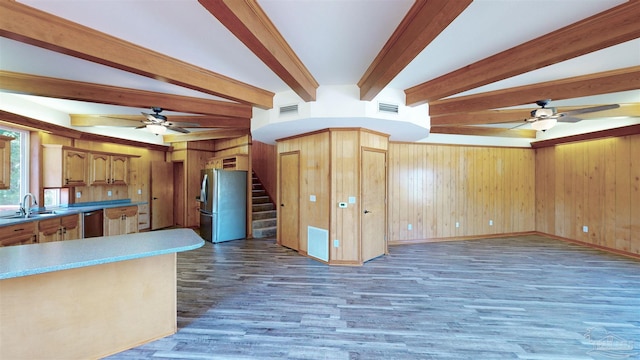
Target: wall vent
<point x="318" y="243"/>
<point x="388" y="108"/>
<point x="289" y="109"/>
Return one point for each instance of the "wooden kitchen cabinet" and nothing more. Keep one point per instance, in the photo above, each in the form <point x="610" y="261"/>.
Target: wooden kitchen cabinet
<point x="143" y="217"/>
<point x="121" y="220"/>
<point x="5" y="161"/>
<point x="109" y="169"/>
<point x="235" y="162"/>
<point x="59" y="228"/>
<point x="19" y="234"/>
<point x="64" y="166"/>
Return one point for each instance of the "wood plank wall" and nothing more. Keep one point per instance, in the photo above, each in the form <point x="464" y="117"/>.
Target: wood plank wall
<point x="264" y="162"/>
<point x="432" y="187"/>
<point x="595" y="184"/>
<point x="314" y="180"/>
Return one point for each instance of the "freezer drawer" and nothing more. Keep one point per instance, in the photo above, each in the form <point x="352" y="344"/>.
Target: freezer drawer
<point x="206" y="226"/>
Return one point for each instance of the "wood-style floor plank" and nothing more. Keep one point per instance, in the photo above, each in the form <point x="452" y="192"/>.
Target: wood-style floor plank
<point x="508" y="298"/>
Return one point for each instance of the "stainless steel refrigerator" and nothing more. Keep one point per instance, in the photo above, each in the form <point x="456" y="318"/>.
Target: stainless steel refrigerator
<point x="223" y="205"/>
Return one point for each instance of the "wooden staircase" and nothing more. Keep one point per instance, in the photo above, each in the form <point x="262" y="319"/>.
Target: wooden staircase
<point x="264" y="220"/>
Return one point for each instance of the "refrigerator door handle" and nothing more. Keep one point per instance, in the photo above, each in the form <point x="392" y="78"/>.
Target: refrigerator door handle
<point x="203" y="189"/>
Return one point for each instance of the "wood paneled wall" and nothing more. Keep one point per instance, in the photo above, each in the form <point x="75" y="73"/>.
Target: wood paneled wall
<point x="595" y="184"/>
<point x="314" y="180"/>
<point x="264" y="163"/>
<point x="433" y="187"/>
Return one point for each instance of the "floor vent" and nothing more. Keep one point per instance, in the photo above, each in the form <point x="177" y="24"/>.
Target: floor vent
<point x="318" y="243"/>
<point x="289" y="109"/>
<point x="388" y="108"/>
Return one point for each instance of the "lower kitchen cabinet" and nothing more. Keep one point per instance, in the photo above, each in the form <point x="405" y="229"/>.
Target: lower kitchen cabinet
<point x="59" y="228"/>
<point x="121" y="220"/>
<point x="19" y="234"/>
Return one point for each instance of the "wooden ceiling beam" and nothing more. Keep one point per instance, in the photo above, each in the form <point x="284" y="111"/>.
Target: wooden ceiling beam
<point x="593" y="84"/>
<point x="483" y="131"/>
<point x="422" y="23"/>
<point x="600" y="134"/>
<point x="105" y="94"/>
<point x="514" y="115"/>
<point x="26" y="24"/>
<point x="135" y="120"/>
<point x="204" y="135"/>
<point x="249" y="23"/>
<point x="608" y="28"/>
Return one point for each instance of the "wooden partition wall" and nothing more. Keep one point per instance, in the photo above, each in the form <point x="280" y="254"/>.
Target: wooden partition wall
<point x="264" y="158"/>
<point x="443" y="192"/>
<point x="594" y="184"/>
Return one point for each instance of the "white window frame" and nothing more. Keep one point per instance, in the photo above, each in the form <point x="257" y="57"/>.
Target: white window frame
<point x="25" y="166"/>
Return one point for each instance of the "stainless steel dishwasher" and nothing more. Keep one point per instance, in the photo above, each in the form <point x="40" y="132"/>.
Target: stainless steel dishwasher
<point x="92" y="223"/>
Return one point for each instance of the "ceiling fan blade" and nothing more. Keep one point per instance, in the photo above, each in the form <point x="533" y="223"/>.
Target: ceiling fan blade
<point x="526" y="121"/>
<point x="568" y="119"/>
<point x="590" y="110"/>
<point x="178" y="129"/>
<point x="182" y="124"/>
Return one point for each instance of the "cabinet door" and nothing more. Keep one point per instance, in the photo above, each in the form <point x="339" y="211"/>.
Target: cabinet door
<point x="113" y="224"/>
<point x="70" y="227"/>
<point x="119" y="170"/>
<point x="131" y="224"/>
<point x="100" y="169"/>
<point x="49" y="230"/>
<point x="75" y="168"/>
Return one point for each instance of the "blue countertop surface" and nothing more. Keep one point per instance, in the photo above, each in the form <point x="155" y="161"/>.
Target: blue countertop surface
<point x="24" y="260"/>
<point x="69" y="210"/>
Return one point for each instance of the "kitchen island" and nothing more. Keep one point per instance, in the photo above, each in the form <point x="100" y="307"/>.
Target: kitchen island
<point x="89" y="298"/>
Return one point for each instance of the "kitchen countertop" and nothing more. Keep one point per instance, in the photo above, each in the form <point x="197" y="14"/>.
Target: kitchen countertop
<point x="63" y="211"/>
<point x="24" y="260"/>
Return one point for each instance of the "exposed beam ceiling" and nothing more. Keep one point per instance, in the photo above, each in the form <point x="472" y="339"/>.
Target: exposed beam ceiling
<point x="423" y="23"/>
<point x="205" y="135"/>
<point x="35" y="27"/>
<point x="579" y="86"/>
<point x="615" y="132"/>
<point x="615" y="26"/>
<point x="135" y="120"/>
<point x="248" y="22"/>
<point x="483" y="131"/>
<point x="513" y="115"/>
<point x="105" y="94"/>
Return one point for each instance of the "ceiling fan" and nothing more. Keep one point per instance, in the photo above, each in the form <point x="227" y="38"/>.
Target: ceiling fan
<point x="545" y="118"/>
<point x="158" y="123"/>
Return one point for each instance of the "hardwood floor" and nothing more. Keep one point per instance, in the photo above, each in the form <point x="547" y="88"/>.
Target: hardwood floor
<point x="508" y="298"/>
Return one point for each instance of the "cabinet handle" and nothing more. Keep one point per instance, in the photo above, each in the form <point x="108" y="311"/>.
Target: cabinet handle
<point x="18" y="229"/>
<point x="66" y="181"/>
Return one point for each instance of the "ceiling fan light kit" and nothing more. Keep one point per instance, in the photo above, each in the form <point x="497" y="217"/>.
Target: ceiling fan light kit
<point x="544" y="124"/>
<point x="157" y="129"/>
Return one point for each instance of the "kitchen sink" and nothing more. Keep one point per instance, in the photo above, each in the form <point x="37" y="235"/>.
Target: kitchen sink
<point x="38" y="214"/>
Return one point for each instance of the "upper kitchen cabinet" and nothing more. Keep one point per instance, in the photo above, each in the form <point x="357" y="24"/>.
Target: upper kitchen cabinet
<point x="64" y="166"/>
<point x="5" y="161"/>
<point x="109" y="169"/>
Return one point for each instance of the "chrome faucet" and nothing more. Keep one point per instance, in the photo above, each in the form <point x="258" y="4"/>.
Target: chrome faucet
<point x="25" y="208"/>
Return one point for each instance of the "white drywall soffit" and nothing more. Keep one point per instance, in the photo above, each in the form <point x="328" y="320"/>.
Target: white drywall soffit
<point x="340" y="106"/>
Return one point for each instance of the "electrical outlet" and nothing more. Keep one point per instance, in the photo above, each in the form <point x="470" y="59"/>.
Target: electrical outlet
<point x="490" y="222"/>
<point x="409" y="227"/>
<point x="109" y="193"/>
<point x="312" y="198"/>
<point x="78" y="195"/>
<point x="585" y="229"/>
<point x="457" y="224"/>
<point x="336" y="243"/>
<point x="139" y="191"/>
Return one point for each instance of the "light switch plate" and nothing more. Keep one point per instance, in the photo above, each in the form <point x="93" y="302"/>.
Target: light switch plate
<point x="139" y="191"/>
<point x="109" y="193"/>
<point x="352" y="199"/>
<point x="312" y="198"/>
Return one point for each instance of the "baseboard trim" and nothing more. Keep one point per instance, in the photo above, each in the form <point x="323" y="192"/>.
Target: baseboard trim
<point x="458" y="238"/>
<point x="595" y="246"/>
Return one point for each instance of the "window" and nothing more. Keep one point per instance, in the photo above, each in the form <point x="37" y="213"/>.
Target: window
<point x="10" y="199"/>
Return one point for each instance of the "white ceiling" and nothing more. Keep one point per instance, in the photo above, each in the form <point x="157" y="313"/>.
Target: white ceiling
<point x="335" y="39"/>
